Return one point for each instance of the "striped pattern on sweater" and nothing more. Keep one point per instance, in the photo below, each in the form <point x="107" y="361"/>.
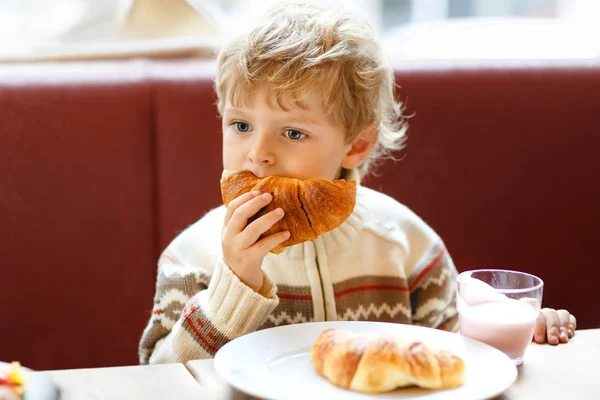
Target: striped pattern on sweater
<point x="382" y="264"/>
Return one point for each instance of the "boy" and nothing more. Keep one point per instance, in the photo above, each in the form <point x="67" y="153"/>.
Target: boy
<point x="307" y="94"/>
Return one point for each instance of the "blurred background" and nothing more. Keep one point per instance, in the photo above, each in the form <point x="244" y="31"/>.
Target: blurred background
<point x="411" y="29"/>
<point x="111" y="146"/>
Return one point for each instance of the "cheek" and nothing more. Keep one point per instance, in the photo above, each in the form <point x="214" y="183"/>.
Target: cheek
<point x="233" y="150"/>
<point x="322" y="162"/>
<point x="230" y="140"/>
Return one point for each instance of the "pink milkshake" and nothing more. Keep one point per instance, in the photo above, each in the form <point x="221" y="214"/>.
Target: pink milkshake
<point x="508" y="326"/>
<point x="499" y="312"/>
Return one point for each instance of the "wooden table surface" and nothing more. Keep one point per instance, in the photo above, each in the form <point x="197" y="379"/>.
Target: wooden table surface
<point x="570" y="371"/>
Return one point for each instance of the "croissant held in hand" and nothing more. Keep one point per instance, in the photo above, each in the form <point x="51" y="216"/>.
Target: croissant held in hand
<point x="376" y="363"/>
<point x="312" y="206"/>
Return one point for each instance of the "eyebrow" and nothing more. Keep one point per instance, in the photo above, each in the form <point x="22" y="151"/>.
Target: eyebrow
<point x="303" y="120"/>
<point x="307" y="121"/>
<point x="231" y="110"/>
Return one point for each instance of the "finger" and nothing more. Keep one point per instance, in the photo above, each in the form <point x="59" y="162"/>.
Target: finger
<point x="252" y="232"/>
<point x="238" y="201"/>
<point x="572" y="325"/>
<point x="564" y="320"/>
<point x="539" y="334"/>
<point x="265" y="245"/>
<point x="243" y="213"/>
<point x="552" y="325"/>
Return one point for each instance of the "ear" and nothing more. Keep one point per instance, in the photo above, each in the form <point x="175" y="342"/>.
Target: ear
<point x="360" y="148"/>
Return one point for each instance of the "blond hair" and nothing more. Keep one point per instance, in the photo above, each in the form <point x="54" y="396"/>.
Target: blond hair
<point x="301" y="48"/>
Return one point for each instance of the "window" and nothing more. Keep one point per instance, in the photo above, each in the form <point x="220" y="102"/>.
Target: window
<point x="409" y="28"/>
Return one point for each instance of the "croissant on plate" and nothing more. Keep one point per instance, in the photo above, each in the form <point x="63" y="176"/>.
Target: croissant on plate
<point x="312" y="206"/>
<point x="377" y="363"/>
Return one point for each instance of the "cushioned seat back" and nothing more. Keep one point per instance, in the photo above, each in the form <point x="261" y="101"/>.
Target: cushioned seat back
<point x="77" y="204"/>
<point x="501" y="162"/>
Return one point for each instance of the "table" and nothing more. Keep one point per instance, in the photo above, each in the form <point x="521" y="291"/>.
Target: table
<point x="166" y="381"/>
<point x="570" y="371"/>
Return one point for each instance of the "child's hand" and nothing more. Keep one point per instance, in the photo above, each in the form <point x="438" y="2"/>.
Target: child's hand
<point x="241" y="250"/>
<point x="557" y="326"/>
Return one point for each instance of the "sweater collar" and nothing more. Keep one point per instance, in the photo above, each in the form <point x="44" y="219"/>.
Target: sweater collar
<point x="341" y="238"/>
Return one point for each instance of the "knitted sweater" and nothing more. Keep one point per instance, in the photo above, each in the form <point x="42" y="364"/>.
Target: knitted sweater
<point x="382" y="264"/>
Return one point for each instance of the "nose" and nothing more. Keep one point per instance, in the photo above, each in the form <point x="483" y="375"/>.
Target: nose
<point x="262" y="151"/>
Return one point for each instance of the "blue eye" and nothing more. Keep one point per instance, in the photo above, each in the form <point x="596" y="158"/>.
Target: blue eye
<point x="242" y="126"/>
<point x="294" y="134"/>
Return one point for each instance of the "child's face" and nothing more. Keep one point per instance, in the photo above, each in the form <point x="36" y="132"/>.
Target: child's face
<point x="297" y="143"/>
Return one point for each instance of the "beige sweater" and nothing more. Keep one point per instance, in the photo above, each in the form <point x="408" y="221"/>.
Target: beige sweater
<point x="382" y="264"/>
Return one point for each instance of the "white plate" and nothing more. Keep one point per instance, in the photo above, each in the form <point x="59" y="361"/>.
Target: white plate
<point x="275" y="364"/>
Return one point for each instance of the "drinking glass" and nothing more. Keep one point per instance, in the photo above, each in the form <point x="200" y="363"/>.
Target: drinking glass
<point x="499" y="308"/>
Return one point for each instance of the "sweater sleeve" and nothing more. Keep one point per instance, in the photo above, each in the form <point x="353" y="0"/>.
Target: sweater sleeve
<point x="196" y="311"/>
<point x="433" y="291"/>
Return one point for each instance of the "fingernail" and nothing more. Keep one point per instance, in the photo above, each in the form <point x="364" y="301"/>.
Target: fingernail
<point x="563" y="331"/>
<point x="539" y="338"/>
<point x="279" y="211"/>
<point x="255" y="192"/>
<point x="287" y="234"/>
<point x="266" y="195"/>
